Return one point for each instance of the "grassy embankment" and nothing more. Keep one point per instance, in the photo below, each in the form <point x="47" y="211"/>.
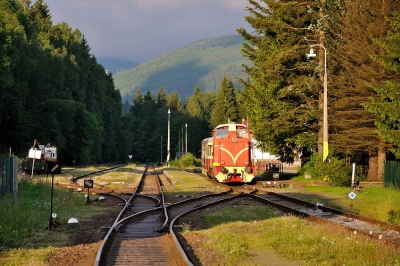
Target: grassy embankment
<point x="234" y="233"/>
<point x="24" y="239"/>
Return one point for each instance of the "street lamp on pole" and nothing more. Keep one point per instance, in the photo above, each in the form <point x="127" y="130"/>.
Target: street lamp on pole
<point x="325" y="116"/>
<point x="186" y="139"/>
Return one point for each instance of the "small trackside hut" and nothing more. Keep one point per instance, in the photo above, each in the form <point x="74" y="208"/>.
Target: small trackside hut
<point x="226" y="156"/>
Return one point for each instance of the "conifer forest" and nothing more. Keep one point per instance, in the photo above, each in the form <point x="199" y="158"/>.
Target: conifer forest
<point x="53" y="89"/>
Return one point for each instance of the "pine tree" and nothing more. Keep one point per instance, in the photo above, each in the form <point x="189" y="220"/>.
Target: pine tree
<point x="353" y="129"/>
<point x="126" y="107"/>
<point x="174" y="102"/>
<point x="194" y="105"/>
<point x="161" y="97"/>
<point x="137" y="103"/>
<point x="387" y="99"/>
<point x="225" y="108"/>
<point x="281" y="99"/>
<point x="40" y="17"/>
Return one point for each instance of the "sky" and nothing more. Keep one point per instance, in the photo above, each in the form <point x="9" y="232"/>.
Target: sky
<point x="140" y="30"/>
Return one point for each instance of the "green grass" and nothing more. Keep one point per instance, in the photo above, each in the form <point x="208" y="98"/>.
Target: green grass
<point x="23" y="225"/>
<point x="374" y="202"/>
<point x="295" y="239"/>
<point x="239" y="213"/>
<point x="192" y="184"/>
<point x="125" y="174"/>
<point x="235" y="233"/>
<point x="23" y="238"/>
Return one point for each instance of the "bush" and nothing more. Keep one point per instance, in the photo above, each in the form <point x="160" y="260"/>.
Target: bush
<point x="333" y="171"/>
<point x="187" y="160"/>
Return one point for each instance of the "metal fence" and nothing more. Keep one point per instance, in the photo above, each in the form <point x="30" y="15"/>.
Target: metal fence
<point x="391" y="176"/>
<point x="8" y="175"/>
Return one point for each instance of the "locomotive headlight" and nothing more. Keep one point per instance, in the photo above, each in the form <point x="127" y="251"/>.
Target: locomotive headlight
<point x="248" y="170"/>
<point x="246" y="162"/>
<point x="224" y="170"/>
<point x="222" y="162"/>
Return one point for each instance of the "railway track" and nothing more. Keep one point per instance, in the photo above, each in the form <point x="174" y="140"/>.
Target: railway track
<point x="321" y="214"/>
<point x="318" y="213"/>
<point x="147" y="232"/>
<point x="136" y="237"/>
<point x="144" y="234"/>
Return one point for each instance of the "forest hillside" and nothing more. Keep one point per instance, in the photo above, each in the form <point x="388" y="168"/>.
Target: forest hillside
<point x="203" y="63"/>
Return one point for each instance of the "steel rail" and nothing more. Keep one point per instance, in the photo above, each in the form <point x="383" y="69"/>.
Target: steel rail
<point x="117" y="221"/>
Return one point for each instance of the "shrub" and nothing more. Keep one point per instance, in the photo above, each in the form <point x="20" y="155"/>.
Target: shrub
<point x="333" y="171"/>
<point x="187" y="160"/>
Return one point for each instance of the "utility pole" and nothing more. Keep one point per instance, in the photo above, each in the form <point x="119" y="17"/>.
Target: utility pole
<point x="169" y="122"/>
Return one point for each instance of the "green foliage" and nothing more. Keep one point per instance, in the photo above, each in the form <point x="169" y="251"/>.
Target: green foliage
<point x="334" y="171"/>
<point x="387" y="98"/>
<point x="203" y="63"/>
<point x="53" y="89"/>
<point x="281" y="91"/>
<point x="225" y="107"/>
<point x="187" y="160"/>
<point x="351" y="70"/>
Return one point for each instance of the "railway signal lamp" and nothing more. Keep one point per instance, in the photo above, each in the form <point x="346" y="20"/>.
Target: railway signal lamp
<point x="88" y="183"/>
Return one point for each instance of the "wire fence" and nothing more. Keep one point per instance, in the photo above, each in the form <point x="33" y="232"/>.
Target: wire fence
<point x="391" y="176"/>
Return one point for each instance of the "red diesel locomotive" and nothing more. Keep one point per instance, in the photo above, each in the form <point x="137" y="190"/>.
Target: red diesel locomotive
<point x="226" y="156"/>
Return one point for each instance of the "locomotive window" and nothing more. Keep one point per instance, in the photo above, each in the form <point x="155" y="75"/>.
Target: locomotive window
<point x="241" y="133"/>
<point x="222" y="132"/>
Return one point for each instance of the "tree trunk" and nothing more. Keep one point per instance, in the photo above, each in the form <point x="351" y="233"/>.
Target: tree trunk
<point x="373" y="166"/>
<point x="381" y="161"/>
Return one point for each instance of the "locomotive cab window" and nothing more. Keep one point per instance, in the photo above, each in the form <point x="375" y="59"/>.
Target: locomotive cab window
<point x="241" y="132"/>
<point x="222" y="132"/>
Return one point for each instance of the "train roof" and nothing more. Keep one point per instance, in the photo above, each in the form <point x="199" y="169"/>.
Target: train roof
<point x="230" y="125"/>
<point x="210" y="139"/>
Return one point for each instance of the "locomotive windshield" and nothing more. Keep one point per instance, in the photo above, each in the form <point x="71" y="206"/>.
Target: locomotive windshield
<point x="222" y="132"/>
<point x="241" y="132"/>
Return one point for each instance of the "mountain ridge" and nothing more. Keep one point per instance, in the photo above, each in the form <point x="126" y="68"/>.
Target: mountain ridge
<point x="116" y="65"/>
<point x="203" y="63"/>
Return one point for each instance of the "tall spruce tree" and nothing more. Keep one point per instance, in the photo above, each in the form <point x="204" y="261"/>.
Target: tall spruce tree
<point x="225" y="107"/>
<point x="281" y="98"/>
<point x="161" y="97"/>
<point x="387" y="99"/>
<point x="174" y="102"/>
<point x="194" y="104"/>
<point x="353" y="129"/>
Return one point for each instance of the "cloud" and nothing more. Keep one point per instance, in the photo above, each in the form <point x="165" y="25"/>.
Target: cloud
<point x="140" y="30"/>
